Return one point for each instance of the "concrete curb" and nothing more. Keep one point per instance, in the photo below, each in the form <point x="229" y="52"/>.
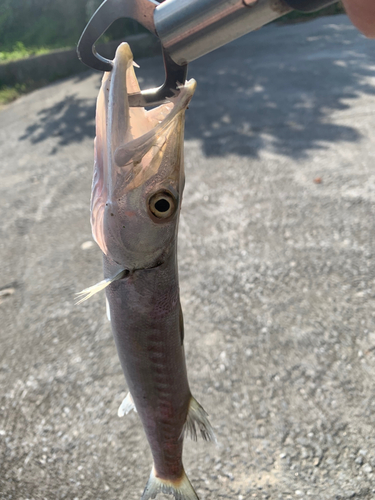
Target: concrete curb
<point x="40" y="70"/>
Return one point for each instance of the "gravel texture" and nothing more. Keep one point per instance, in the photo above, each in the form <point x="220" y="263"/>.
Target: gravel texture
<point x="277" y="280"/>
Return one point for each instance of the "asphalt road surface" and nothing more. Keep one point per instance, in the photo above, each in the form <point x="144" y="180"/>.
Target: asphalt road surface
<point x="277" y="280"/>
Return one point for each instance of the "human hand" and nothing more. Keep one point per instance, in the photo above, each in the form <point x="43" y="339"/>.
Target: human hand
<point x="362" y="15"/>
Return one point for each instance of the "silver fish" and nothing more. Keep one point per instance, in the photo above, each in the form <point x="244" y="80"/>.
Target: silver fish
<point x="136" y="199"/>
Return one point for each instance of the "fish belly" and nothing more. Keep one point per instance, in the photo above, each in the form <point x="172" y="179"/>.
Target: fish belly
<point x="145" y="318"/>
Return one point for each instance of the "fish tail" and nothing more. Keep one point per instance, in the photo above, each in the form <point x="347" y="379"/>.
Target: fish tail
<point x="181" y="488"/>
<point x="197" y="417"/>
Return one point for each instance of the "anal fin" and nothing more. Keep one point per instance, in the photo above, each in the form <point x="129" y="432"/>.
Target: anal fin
<point x="126" y="406"/>
<point x="197" y="417"/>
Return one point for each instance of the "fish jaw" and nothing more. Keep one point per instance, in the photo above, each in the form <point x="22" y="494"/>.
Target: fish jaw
<point x="138" y="166"/>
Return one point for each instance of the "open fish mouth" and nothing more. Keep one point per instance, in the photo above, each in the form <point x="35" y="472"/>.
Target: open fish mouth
<point x="137" y="135"/>
<point x="131" y="144"/>
<point x="131" y="124"/>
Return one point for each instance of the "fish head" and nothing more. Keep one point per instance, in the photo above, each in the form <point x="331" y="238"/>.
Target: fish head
<point x="138" y="172"/>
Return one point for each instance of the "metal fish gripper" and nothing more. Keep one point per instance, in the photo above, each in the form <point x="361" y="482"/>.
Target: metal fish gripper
<point x="187" y="29"/>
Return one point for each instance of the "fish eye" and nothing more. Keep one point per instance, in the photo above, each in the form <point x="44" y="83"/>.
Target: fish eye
<point x="162" y="205"/>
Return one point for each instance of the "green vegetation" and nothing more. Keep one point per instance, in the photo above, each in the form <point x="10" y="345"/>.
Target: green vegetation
<point x="9" y="94"/>
<point x="20" y="51"/>
<point x="29" y="27"/>
<point x="33" y="27"/>
<point x="39" y="23"/>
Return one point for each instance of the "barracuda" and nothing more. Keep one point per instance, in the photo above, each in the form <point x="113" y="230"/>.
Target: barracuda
<point x="136" y="199"/>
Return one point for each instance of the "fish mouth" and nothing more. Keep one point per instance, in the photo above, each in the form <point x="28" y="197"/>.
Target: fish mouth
<point x="131" y="142"/>
<point x="135" y="129"/>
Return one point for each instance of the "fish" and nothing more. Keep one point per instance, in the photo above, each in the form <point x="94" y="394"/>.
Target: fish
<point x="136" y="199"/>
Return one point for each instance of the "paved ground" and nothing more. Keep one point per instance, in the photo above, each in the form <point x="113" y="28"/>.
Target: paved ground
<point x="277" y="280"/>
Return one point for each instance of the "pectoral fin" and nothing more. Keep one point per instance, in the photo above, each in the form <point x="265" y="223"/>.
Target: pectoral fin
<point x="92" y="290"/>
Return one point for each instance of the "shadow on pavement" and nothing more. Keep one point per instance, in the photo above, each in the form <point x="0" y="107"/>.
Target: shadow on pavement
<point x="258" y="92"/>
<point x="71" y="119"/>
<point x="277" y="86"/>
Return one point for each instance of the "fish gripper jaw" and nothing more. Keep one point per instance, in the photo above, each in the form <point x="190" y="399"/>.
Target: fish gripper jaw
<point x="141" y="11"/>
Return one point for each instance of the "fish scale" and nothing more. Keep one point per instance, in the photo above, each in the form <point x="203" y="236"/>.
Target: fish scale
<point x="136" y="199"/>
